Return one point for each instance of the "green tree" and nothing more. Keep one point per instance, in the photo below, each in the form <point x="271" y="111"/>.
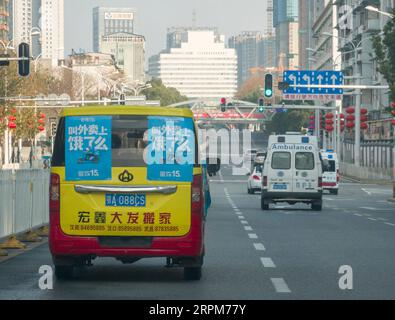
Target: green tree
<point x="384" y="47"/>
<point x="292" y="120"/>
<point x="166" y="95"/>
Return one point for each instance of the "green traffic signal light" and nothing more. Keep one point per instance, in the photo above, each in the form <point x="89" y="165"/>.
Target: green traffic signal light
<point x="269" y="85"/>
<point x="261" y="109"/>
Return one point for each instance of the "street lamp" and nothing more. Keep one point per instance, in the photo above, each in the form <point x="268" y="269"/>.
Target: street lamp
<point x="374" y="9"/>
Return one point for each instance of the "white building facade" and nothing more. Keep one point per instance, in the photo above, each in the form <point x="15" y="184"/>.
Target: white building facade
<point x="201" y="68"/>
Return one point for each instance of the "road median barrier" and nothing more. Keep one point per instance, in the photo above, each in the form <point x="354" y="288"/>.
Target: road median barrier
<point x="12" y="243"/>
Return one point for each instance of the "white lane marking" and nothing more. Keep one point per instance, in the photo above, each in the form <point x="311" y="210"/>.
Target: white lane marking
<point x="372" y="219"/>
<point x="357" y="214"/>
<point x="259" y="247"/>
<point x="267" y="263"/>
<point x="366" y="191"/>
<point x="252" y="236"/>
<point x="241" y="217"/>
<point x="382" y="219"/>
<point x="238" y="212"/>
<point x="390" y="224"/>
<point x="280" y="286"/>
<point x="247" y="228"/>
<point x="244" y="222"/>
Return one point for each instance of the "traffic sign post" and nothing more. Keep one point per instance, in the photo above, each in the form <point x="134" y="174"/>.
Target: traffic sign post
<point x="299" y="83"/>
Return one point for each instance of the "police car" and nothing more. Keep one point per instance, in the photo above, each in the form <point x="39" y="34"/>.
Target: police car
<point x="292" y="172"/>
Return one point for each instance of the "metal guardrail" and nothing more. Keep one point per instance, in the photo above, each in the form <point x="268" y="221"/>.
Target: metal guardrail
<point x="24" y="198"/>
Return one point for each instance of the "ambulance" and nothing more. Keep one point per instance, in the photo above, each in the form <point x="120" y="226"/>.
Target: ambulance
<point x="331" y="175"/>
<point x="292" y="171"/>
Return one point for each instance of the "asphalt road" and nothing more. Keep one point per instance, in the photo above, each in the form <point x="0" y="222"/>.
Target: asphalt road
<point x="285" y="253"/>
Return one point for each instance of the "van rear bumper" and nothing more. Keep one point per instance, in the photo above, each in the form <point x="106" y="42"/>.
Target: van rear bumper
<point x="63" y="246"/>
<point x="290" y="196"/>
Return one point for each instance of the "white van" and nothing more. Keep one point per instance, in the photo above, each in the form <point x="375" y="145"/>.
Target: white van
<point x="331" y="174"/>
<point x="292" y="171"/>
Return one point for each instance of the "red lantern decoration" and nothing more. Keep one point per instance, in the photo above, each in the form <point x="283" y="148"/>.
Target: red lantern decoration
<point x="342" y="116"/>
<point x="393" y="104"/>
<point x="342" y="128"/>
<point x="393" y="113"/>
<point x="364" y="126"/>
<point x="350" y="125"/>
<point x="41" y="128"/>
<point x="11" y="118"/>
<point x="329" y="128"/>
<point x="350" y="117"/>
<point x="342" y="122"/>
<point x="329" y="116"/>
<point x="42" y="115"/>
<point x="393" y="122"/>
<point x="11" y="125"/>
<point x="312" y="117"/>
<point x="13" y="111"/>
<point x="350" y="110"/>
<point x="42" y="121"/>
<point x="364" y="111"/>
<point x="364" y="118"/>
<point x="329" y="122"/>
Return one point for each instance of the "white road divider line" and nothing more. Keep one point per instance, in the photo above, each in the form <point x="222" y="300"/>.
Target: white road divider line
<point x="390" y="224"/>
<point x="357" y="214"/>
<point x="372" y="219"/>
<point x="244" y="222"/>
<point x="366" y="191"/>
<point x="241" y="217"/>
<point x="267" y="263"/>
<point x="259" y="247"/>
<point x="247" y="228"/>
<point x="280" y="286"/>
<point x="252" y="236"/>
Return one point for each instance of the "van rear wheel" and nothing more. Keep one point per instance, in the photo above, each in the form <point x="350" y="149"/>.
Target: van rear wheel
<point x="64" y="272"/>
<point x="316" y="206"/>
<point x="192" y="273"/>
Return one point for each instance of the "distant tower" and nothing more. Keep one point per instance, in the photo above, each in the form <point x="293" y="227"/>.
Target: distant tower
<point x="269" y="18"/>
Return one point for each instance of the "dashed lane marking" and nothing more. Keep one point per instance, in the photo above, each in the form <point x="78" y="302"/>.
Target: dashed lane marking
<point x="247" y="228"/>
<point x="252" y="236"/>
<point x="390" y="224"/>
<point x="280" y="285"/>
<point x="268" y="263"/>
<point x="244" y="222"/>
<point x="259" y="247"/>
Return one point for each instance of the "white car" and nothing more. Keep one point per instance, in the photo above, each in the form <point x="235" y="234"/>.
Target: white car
<point x="254" y="182"/>
<point x="260" y="157"/>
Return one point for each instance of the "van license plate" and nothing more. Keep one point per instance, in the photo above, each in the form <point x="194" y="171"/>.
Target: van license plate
<point x="280" y="187"/>
<point x="125" y="200"/>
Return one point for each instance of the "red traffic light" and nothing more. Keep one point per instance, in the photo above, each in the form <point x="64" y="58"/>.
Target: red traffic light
<point x="223" y="101"/>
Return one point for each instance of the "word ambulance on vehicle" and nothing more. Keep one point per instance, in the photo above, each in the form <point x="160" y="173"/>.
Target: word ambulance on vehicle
<point x="292" y="171"/>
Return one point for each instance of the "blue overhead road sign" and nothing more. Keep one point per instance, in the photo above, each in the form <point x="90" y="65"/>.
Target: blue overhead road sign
<point x="296" y="77"/>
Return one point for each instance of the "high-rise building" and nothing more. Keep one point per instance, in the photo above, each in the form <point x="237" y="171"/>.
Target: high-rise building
<point x="269" y="18"/>
<point x="108" y="21"/>
<point x="202" y="67"/>
<point x="356" y="27"/>
<point x="4" y="21"/>
<point x="113" y="33"/>
<point x="285" y="22"/>
<point x="253" y="50"/>
<point x="52" y="30"/>
<point x="129" y="53"/>
<point x="41" y="24"/>
<point x="306" y="19"/>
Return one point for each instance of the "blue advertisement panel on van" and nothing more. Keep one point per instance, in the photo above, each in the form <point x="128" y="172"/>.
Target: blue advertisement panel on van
<point x="171" y="149"/>
<point x="88" y="148"/>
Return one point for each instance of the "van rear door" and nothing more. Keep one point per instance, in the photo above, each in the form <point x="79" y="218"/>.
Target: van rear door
<point x="306" y="172"/>
<point x="280" y="172"/>
<point x="124" y="203"/>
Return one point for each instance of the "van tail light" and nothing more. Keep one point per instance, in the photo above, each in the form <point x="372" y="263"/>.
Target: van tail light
<point x="197" y="197"/>
<point x="54" y="193"/>
<point x="320" y="182"/>
<point x="255" y="177"/>
<point x="265" y="181"/>
<point x="337" y="176"/>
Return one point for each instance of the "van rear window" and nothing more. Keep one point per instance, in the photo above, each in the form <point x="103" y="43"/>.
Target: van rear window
<point x="281" y="160"/>
<point x="129" y="140"/>
<point x="304" y="161"/>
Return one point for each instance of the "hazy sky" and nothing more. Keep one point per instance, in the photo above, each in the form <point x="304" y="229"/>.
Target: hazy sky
<point x="155" y="16"/>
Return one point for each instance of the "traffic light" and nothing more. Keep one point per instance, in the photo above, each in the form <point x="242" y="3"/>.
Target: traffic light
<point x="122" y="99"/>
<point x="269" y="85"/>
<point x="261" y="104"/>
<point x="223" y="104"/>
<point x="24" y="65"/>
